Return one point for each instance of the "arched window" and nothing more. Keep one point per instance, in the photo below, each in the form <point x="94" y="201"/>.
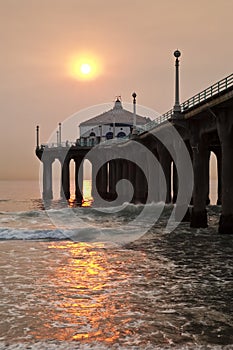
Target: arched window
<point x="109" y="135"/>
<point x="121" y="134"/>
<point x="92" y="134"/>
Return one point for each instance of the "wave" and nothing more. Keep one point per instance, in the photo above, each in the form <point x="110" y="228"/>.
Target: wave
<point x="25" y="234"/>
<point x="87" y="224"/>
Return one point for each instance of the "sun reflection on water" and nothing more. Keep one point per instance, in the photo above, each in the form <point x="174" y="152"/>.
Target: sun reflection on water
<point x="87" y="197"/>
<point x="83" y="306"/>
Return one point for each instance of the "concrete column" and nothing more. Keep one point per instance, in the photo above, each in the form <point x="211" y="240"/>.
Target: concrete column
<point x="47" y="179"/>
<point x="165" y="161"/>
<point x="141" y="188"/>
<point x="225" y="132"/>
<point x="125" y="176"/>
<point x="112" y="180"/>
<point x="118" y="170"/>
<point x="99" y="180"/>
<point x="153" y="176"/>
<point x="226" y="220"/>
<point x="131" y="177"/>
<point x="138" y="185"/>
<point x="78" y="180"/>
<point x="200" y="169"/>
<point x="117" y="176"/>
<point x="175" y="183"/>
<point x="190" y="150"/>
<point x="219" y="167"/>
<point x="102" y="181"/>
<point x="65" y="179"/>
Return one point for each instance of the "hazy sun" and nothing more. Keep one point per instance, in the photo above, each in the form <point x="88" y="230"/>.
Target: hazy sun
<point x="84" y="67"/>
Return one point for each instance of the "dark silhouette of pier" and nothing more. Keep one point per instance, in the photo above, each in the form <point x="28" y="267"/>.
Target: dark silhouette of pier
<point x="205" y="124"/>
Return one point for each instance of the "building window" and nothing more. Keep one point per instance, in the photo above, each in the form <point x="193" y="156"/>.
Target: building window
<point x="121" y="134"/>
<point x="109" y="135"/>
<point x="92" y="134"/>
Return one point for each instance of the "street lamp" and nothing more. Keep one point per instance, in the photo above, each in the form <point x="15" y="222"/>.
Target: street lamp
<point x="177" y="108"/>
<point x="134" y="95"/>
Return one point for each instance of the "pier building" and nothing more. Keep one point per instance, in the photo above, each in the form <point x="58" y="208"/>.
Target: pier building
<point x="117" y="122"/>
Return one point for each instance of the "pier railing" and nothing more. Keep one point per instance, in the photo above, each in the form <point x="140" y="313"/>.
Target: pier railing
<point x="159" y="120"/>
<point x="57" y="145"/>
<point x="212" y="91"/>
<point x="83" y="142"/>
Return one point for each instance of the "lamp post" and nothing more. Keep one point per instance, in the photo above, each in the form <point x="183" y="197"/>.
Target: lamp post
<point x="177" y="108"/>
<point x="58" y="138"/>
<point x="59" y="129"/>
<point x="37" y="136"/>
<point x="134" y="95"/>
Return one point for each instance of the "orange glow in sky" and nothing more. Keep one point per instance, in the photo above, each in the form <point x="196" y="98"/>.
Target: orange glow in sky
<point x="84" y="67"/>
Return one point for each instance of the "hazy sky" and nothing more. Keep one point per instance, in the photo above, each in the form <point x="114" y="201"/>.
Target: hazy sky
<point x="134" y="42"/>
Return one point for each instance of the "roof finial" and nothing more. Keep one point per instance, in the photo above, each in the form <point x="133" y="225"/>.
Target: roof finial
<point x="118" y="104"/>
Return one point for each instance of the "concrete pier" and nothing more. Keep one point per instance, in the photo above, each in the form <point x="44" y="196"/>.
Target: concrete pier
<point x="47" y="179"/>
<point x="201" y="183"/>
<point x="166" y="161"/>
<point x="204" y="123"/>
<point x="225" y="131"/>
<point x="78" y="179"/>
<point x="65" y="179"/>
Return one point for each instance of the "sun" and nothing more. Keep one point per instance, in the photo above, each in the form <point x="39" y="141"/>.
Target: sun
<point x="84" y="67"/>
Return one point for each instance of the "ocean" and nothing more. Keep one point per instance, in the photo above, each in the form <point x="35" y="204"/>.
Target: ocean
<point x="59" y="289"/>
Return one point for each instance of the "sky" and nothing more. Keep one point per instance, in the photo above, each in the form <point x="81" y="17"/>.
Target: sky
<point x="132" y="42"/>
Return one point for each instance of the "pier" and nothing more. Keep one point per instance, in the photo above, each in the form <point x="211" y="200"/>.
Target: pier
<point x="205" y="124"/>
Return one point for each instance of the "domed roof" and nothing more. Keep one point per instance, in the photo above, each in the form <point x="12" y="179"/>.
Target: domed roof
<point x="117" y="114"/>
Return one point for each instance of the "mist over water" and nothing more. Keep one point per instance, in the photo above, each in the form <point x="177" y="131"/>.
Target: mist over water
<point x="163" y="290"/>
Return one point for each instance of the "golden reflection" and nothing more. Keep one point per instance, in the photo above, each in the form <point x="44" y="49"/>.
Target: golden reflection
<point x="84" y="305"/>
<point x="87" y="197"/>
